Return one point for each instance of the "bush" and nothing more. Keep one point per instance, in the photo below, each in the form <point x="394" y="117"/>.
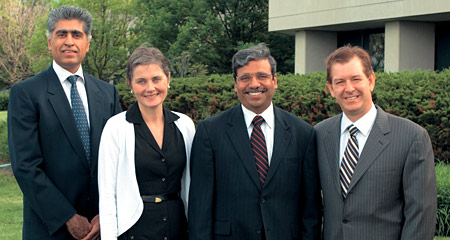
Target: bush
<point x="421" y="96"/>
<point x="4" y="152"/>
<point x="443" y="197"/>
<point x="4" y="100"/>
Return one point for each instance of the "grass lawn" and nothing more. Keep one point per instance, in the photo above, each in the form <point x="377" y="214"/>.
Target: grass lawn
<point x="10" y="207"/>
<point x="3" y="115"/>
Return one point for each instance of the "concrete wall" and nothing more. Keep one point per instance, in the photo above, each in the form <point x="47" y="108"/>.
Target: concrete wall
<point x="409" y="46"/>
<point x="311" y="49"/>
<point x="293" y="15"/>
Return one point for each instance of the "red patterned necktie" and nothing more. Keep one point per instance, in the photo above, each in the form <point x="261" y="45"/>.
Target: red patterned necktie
<point x="80" y="116"/>
<point x="349" y="161"/>
<point x="258" y="143"/>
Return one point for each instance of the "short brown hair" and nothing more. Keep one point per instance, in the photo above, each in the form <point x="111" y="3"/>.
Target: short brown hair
<point x="344" y="55"/>
<point x="145" y="55"/>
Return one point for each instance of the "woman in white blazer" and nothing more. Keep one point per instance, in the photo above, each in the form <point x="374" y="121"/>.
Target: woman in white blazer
<point x="144" y="159"/>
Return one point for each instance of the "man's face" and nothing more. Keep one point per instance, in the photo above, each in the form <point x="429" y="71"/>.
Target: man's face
<point x="69" y="44"/>
<point x="255" y="85"/>
<point x="351" y="88"/>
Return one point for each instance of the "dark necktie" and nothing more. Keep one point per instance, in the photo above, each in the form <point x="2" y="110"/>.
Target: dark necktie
<point x="258" y="143"/>
<point x="349" y="161"/>
<point x="79" y="114"/>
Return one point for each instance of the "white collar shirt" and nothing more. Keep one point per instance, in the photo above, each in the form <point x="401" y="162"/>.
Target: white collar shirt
<point x="364" y="125"/>
<point x="63" y="74"/>
<point x="268" y="126"/>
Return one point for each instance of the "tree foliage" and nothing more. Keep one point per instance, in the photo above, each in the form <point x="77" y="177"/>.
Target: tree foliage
<point x="210" y="32"/>
<point x="17" y="26"/>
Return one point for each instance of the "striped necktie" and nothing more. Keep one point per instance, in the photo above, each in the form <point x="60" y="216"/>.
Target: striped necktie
<point x="349" y="161"/>
<point x="79" y="114"/>
<point x="258" y="144"/>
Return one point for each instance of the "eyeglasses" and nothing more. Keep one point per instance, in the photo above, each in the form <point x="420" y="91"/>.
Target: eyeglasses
<point x="260" y="77"/>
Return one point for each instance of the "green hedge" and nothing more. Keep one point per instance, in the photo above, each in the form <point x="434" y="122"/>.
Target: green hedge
<point x="422" y="96"/>
<point x="4" y="99"/>
<point x="4" y="152"/>
<point x="443" y="196"/>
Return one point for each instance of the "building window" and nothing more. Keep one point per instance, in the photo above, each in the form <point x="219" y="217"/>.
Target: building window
<point x="442" y="49"/>
<point x="376" y="51"/>
<point x="371" y="40"/>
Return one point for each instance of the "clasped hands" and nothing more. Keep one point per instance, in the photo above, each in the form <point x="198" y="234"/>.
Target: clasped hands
<point x="80" y="228"/>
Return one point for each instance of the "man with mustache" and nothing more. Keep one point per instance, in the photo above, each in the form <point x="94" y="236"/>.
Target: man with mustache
<point x="254" y="172"/>
<point x="55" y="120"/>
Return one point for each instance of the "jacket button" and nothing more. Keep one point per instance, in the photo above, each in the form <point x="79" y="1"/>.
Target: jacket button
<point x="258" y="231"/>
<point x="164" y="219"/>
<point x="163" y="159"/>
<point x="345" y="221"/>
<point x="163" y="179"/>
<point x="131" y="237"/>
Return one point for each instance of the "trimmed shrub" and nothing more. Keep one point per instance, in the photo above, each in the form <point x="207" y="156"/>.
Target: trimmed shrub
<point x="4" y="152"/>
<point x="4" y="100"/>
<point x="443" y="198"/>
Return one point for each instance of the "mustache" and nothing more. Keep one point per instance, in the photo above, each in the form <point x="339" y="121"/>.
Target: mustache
<point x="253" y="90"/>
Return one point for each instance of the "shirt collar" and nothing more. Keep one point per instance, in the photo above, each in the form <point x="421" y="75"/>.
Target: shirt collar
<point x="63" y="73"/>
<point x="364" y="124"/>
<point x="134" y="115"/>
<point x="268" y="116"/>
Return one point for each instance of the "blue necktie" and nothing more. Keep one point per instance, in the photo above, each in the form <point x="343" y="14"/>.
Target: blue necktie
<point x="349" y="161"/>
<point x="80" y="116"/>
<point x="258" y="144"/>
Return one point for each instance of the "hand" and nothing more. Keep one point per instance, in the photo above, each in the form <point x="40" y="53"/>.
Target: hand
<point x="94" y="234"/>
<point x="78" y="226"/>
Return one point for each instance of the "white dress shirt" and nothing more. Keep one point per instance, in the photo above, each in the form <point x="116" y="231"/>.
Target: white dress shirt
<point x="364" y="125"/>
<point x="63" y="74"/>
<point x="268" y="126"/>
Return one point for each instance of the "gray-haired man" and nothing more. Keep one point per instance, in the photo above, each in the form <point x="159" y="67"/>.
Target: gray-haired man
<point x="55" y="120"/>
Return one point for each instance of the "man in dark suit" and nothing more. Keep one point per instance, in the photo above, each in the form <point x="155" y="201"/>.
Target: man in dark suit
<point x="254" y="180"/>
<point x="55" y="120"/>
<point x="376" y="169"/>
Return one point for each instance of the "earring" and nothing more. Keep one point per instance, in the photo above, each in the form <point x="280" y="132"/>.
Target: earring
<point x="168" y="86"/>
<point x="131" y="91"/>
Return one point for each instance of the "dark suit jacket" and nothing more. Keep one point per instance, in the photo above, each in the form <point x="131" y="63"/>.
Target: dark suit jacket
<point x="392" y="194"/>
<point x="226" y="200"/>
<point x="47" y="155"/>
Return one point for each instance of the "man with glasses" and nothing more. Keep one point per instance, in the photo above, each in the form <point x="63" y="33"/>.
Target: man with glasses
<point x="254" y="169"/>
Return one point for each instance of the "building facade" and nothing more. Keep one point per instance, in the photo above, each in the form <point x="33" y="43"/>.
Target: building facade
<point x="399" y="34"/>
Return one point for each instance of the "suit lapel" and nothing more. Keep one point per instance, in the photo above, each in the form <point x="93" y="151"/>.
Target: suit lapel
<point x="375" y="144"/>
<point x="59" y="103"/>
<point x="95" y="115"/>
<point x="282" y="137"/>
<point x="237" y="132"/>
<point x="332" y="150"/>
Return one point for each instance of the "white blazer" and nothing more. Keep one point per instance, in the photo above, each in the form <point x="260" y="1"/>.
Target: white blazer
<point x="120" y="201"/>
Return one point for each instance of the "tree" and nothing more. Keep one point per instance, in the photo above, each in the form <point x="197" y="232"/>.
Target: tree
<point x="17" y="26"/>
<point x="211" y="31"/>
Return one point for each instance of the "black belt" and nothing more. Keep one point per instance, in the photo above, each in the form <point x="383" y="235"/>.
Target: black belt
<point x="159" y="198"/>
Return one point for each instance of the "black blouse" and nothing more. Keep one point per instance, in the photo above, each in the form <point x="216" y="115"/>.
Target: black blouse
<point x="158" y="171"/>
